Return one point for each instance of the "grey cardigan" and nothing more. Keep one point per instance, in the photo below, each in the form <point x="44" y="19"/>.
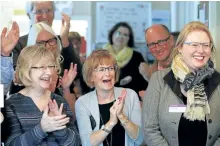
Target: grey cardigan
<point x="87" y="105"/>
<point x="160" y="126"/>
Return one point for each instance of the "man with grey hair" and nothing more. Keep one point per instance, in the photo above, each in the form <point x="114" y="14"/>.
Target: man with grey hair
<point x="43" y="11"/>
<point x="38" y="11"/>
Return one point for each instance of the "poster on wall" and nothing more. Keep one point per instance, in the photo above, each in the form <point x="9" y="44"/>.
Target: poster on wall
<point x="136" y="14"/>
<point x="161" y="17"/>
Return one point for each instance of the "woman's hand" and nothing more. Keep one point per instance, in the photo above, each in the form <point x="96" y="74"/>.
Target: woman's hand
<point x="121" y="101"/>
<point x="54" y="109"/>
<point x="65" y="29"/>
<point x="50" y="124"/>
<point x="69" y="76"/>
<point x="8" y="42"/>
<point x="113" y="114"/>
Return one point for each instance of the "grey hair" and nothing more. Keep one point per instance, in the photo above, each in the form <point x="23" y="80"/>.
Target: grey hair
<point x="30" y="6"/>
<point x="36" y="29"/>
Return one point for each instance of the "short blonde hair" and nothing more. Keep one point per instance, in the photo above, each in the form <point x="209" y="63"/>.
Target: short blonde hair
<point x="29" y="57"/>
<point x="96" y="58"/>
<point x="188" y="28"/>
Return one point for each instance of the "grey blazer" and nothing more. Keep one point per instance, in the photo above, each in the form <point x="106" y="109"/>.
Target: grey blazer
<point x="87" y="105"/>
<point x="160" y="126"/>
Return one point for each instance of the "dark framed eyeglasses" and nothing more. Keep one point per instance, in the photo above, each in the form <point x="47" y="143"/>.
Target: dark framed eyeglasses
<point x="41" y="11"/>
<point x="159" y="43"/>
<point x="51" y="42"/>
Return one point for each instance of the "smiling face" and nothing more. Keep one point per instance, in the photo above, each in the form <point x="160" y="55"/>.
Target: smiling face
<point x="196" y="58"/>
<point x="120" y="37"/>
<point x="40" y="16"/>
<point x="103" y="77"/>
<point x="41" y="73"/>
<point x="45" y="36"/>
<point x="164" y="42"/>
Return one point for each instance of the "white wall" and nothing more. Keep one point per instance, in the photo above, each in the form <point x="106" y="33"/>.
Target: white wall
<point x="214" y="26"/>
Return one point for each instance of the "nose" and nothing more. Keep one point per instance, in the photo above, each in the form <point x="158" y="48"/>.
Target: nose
<point x="44" y="15"/>
<point x="48" y="70"/>
<point x="157" y="47"/>
<point x="200" y="48"/>
<point x="107" y="71"/>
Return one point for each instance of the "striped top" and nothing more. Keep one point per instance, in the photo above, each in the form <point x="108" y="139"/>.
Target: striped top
<point x="24" y="119"/>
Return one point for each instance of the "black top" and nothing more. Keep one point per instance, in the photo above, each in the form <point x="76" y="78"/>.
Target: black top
<point x="192" y="133"/>
<point x="118" y="132"/>
<point x="137" y="83"/>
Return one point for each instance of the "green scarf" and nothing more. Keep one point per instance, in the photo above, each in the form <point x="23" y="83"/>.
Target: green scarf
<point x="123" y="57"/>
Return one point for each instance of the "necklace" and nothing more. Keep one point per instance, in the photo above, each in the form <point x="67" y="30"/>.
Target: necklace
<point x="106" y="137"/>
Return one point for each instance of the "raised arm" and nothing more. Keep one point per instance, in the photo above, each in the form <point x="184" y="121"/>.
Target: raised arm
<point x="8" y="42"/>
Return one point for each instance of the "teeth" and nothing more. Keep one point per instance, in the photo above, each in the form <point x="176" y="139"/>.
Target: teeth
<point x="45" y="79"/>
<point x="198" y="57"/>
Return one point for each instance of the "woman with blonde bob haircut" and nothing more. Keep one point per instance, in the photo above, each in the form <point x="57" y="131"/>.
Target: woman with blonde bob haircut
<point x="35" y="114"/>
<point x="34" y="57"/>
<point x="182" y="104"/>
<point x="108" y="115"/>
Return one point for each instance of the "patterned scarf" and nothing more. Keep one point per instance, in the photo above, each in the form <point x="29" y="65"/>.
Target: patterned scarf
<point x="123" y="57"/>
<point x="192" y="83"/>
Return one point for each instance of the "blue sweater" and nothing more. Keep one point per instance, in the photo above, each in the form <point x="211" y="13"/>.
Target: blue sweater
<point x="24" y="118"/>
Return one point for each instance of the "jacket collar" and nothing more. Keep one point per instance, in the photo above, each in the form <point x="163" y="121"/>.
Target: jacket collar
<point x="210" y="84"/>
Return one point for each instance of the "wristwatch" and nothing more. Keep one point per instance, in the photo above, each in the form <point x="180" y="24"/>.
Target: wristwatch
<point x="105" y="129"/>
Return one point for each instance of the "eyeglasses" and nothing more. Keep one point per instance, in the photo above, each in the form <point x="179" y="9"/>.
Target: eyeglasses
<point x="196" y="45"/>
<point x="159" y="43"/>
<point x="41" y="11"/>
<point x="103" y="69"/>
<point x="51" y="42"/>
<point x="120" y="34"/>
<point x="43" y="68"/>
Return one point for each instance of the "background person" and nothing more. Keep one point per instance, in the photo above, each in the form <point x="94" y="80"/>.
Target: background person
<point x="160" y="43"/>
<point x="192" y="84"/>
<point x="108" y="115"/>
<point x="121" y="46"/>
<point x="80" y="87"/>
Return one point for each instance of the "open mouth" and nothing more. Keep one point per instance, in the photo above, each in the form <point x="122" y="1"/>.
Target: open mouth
<point x="106" y="81"/>
<point x="45" y="78"/>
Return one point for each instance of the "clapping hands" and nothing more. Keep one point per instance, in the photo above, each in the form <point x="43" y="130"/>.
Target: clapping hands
<point x="69" y="76"/>
<point x="52" y="118"/>
<point x="117" y="108"/>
